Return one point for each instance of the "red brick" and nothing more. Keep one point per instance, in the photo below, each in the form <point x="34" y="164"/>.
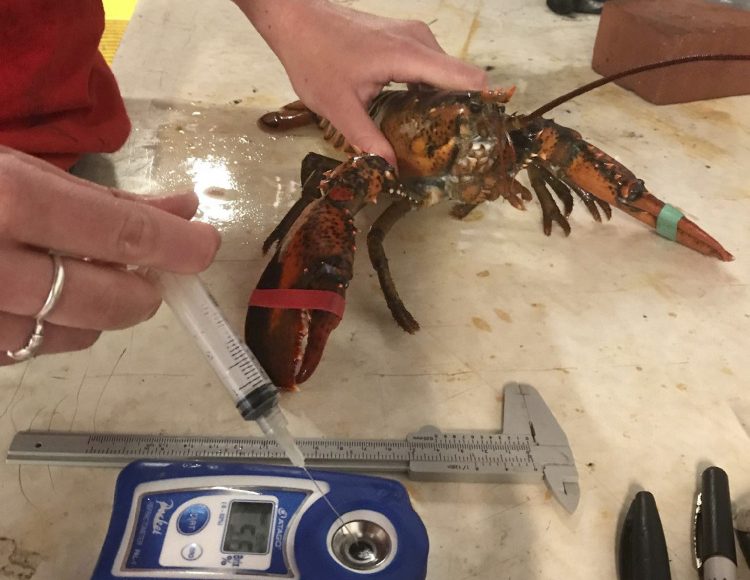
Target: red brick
<point x="637" y="32"/>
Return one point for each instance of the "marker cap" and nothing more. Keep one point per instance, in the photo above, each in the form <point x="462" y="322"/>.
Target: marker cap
<point x="643" y="549"/>
<point x="714" y="529"/>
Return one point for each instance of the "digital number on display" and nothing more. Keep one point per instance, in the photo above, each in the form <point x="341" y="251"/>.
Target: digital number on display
<point x="248" y="528"/>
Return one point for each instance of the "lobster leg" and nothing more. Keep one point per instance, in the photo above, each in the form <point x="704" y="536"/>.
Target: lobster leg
<point x="561" y="190"/>
<point x="375" y="237"/>
<point x="513" y="191"/>
<point x="314" y="167"/>
<point x="599" y="178"/>
<point x="550" y="211"/>
<point x="461" y="210"/>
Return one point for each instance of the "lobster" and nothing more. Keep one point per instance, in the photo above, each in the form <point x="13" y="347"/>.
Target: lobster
<point x="460" y="146"/>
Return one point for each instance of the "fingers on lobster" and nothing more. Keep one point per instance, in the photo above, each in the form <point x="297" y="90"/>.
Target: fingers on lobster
<point x="498" y="95"/>
<point x="599" y="179"/>
<point x="290" y="116"/>
<point x="375" y="238"/>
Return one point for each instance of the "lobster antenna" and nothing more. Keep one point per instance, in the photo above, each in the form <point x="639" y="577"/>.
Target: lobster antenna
<point x="639" y="69"/>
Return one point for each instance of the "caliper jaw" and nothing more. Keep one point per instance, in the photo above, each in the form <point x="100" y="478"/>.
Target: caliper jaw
<point x="526" y="412"/>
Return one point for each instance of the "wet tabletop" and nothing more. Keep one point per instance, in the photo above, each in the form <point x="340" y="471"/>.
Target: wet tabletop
<point x="638" y="345"/>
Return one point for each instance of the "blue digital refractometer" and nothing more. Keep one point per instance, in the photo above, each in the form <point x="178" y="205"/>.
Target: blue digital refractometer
<point x="228" y="520"/>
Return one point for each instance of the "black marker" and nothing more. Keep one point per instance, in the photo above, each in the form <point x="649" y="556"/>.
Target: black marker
<point x="714" y="532"/>
<point x="742" y="527"/>
<point x="643" y="549"/>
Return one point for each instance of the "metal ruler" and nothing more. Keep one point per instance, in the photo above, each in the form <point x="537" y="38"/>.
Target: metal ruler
<point x="531" y="447"/>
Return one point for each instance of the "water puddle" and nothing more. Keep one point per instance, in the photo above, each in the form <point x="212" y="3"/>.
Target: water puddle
<point x="245" y="179"/>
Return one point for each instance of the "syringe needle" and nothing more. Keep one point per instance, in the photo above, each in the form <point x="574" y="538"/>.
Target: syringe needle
<point x="273" y="425"/>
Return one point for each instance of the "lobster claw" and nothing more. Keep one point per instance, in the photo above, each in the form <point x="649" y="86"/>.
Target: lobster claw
<point x="299" y="299"/>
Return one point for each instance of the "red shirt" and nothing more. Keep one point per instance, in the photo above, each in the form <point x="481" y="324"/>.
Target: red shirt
<point x="58" y="97"/>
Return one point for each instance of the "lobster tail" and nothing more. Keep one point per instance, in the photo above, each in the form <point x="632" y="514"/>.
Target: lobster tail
<point x="562" y="157"/>
<point x="290" y="116"/>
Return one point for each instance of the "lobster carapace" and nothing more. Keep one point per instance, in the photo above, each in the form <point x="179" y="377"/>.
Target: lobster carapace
<point x="460" y="146"/>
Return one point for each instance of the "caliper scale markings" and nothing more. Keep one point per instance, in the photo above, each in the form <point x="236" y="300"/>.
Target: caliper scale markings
<point x="532" y="447"/>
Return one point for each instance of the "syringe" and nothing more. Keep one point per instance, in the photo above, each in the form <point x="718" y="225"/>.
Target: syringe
<point x="256" y="397"/>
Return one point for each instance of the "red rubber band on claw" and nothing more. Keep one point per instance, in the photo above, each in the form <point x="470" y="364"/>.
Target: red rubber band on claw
<point x="299" y="299"/>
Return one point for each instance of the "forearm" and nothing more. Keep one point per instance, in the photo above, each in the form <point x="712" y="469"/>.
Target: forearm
<point x="273" y="19"/>
<point x="338" y="59"/>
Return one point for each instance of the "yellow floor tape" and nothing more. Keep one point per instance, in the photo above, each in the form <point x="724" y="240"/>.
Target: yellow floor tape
<point x="117" y="14"/>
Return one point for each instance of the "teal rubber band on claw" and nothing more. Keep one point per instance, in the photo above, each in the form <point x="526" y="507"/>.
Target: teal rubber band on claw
<point x="666" y="221"/>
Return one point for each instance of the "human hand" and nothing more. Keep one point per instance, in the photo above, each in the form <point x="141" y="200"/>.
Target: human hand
<point x="338" y="59"/>
<point x="44" y="209"/>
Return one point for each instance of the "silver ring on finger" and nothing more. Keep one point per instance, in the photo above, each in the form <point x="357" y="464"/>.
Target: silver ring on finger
<point x="37" y="336"/>
<point x="35" y="342"/>
<point x="58" y="279"/>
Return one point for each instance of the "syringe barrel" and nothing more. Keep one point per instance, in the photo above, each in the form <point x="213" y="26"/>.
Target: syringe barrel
<point x="240" y="372"/>
<point x="236" y="366"/>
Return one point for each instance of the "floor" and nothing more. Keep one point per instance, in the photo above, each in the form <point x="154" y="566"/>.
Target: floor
<point x="117" y="16"/>
<point x="638" y="345"/>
